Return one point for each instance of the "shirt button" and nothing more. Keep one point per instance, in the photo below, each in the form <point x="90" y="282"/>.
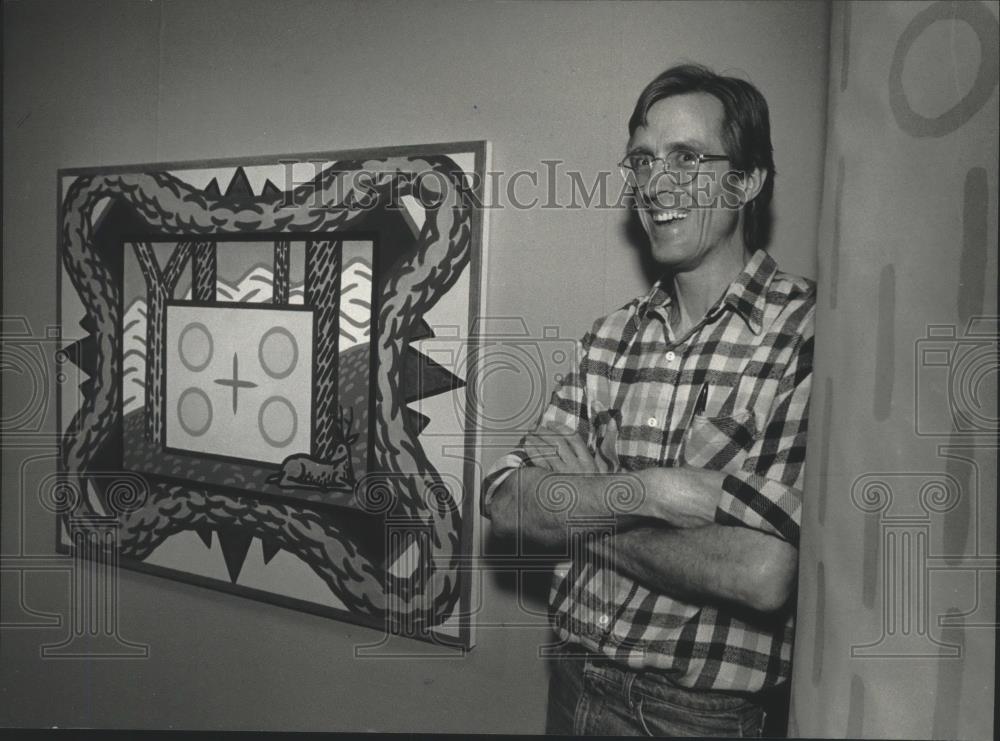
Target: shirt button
<point x="671" y="355"/>
<point x="603" y="620"/>
<point x="651" y="421"/>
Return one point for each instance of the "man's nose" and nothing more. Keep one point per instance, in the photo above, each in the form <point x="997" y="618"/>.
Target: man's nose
<point x="663" y="190"/>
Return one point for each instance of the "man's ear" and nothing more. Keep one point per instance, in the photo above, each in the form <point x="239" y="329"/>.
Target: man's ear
<point x="751" y="184"/>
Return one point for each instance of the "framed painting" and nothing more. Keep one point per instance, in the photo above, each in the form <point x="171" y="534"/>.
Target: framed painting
<point x="278" y="355"/>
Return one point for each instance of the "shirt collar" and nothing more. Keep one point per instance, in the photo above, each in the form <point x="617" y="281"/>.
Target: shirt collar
<point x="746" y="295"/>
<point x="657" y="296"/>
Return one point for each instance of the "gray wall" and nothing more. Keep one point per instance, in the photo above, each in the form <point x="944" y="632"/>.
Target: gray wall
<point x="101" y="83"/>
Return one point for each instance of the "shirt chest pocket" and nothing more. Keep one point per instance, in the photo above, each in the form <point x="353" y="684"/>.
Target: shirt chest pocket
<point x="719" y="443"/>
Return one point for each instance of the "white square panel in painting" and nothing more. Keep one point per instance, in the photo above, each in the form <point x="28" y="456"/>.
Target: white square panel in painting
<point x="239" y="381"/>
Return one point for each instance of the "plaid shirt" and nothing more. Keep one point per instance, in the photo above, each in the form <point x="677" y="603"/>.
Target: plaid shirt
<point x="633" y="397"/>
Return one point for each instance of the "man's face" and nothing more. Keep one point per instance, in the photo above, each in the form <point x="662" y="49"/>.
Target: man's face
<point x="695" y="223"/>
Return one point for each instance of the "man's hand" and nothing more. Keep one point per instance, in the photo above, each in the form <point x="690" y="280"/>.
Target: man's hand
<point x="562" y="450"/>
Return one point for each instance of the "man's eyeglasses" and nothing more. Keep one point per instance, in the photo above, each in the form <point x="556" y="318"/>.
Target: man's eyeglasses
<point x="682" y="164"/>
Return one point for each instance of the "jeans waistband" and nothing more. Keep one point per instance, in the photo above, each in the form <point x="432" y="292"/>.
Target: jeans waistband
<point x="656" y="684"/>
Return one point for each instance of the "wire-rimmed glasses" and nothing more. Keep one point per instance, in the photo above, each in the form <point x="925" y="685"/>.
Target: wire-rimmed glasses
<point x="681" y="163"/>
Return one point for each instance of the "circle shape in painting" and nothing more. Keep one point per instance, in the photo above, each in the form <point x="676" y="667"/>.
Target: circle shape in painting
<point x="278" y="352"/>
<point x="277" y="421"/>
<point x="195" y="347"/>
<point x="194" y="411"/>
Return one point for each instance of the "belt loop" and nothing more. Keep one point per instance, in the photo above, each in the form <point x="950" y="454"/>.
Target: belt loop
<point x="627" y="688"/>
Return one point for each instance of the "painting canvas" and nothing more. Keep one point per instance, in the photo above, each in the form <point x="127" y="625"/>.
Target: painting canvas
<point x="277" y="358"/>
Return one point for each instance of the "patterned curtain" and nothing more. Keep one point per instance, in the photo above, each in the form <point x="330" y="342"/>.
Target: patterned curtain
<point x="897" y="596"/>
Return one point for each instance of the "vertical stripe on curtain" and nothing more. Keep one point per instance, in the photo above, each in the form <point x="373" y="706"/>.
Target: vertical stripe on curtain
<point x="898" y="572"/>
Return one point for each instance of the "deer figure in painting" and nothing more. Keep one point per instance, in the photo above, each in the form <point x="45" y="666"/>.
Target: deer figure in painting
<point x="302" y="471"/>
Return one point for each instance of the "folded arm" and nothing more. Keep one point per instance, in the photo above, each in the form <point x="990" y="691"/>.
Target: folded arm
<point x="529" y="500"/>
<point x="696" y="534"/>
<point x="714" y="563"/>
<point x="696" y="561"/>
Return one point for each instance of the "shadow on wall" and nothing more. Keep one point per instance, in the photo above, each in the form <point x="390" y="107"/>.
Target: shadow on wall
<point x="530" y="588"/>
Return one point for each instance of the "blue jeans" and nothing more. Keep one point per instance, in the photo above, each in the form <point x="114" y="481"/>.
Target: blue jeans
<point x="590" y="696"/>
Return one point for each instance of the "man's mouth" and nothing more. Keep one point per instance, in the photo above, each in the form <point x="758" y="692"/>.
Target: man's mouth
<point x="668" y="216"/>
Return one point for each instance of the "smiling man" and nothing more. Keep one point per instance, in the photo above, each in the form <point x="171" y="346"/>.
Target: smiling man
<point x="682" y="437"/>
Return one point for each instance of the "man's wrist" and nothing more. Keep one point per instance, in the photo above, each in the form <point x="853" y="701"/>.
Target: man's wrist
<point x="680" y="496"/>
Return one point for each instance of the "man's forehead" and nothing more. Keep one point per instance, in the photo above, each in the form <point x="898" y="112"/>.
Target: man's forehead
<point x="687" y="119"/>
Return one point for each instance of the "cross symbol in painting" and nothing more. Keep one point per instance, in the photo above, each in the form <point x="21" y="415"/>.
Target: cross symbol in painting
<point x="235" y="381"/>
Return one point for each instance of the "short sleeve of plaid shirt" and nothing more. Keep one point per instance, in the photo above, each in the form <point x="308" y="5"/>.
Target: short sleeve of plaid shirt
<point x="568" y="408"/>
<point x="766" y="493"/>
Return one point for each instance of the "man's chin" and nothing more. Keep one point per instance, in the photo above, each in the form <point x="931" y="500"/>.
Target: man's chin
<point x="668" y="255"/>
<point x="664" y="240"/>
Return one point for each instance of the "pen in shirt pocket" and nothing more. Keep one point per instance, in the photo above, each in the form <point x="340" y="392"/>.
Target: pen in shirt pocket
<point x="701" y="403"/>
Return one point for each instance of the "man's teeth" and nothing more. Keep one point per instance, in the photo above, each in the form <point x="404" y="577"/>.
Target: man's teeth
<point x="665" y="217"/>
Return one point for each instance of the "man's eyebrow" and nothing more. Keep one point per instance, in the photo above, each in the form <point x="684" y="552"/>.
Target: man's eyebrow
<point x="695" y="144"/>
<point x="689" y="143"/>
<point x="638" y="149"/>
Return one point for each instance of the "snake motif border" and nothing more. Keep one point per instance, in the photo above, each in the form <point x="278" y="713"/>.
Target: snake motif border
<point x="171" y="207"/>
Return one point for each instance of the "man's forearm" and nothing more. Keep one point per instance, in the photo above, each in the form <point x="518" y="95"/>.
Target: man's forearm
<point x="531" y="500"/>
<point x="666" y="536"/>
<point x="714" y="563"/>
<point x="534" y="503"/>
<point x="682" y="497"/>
